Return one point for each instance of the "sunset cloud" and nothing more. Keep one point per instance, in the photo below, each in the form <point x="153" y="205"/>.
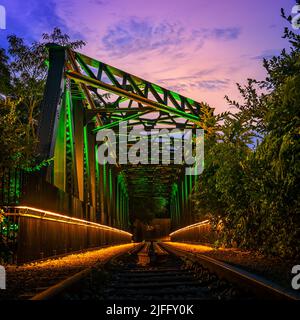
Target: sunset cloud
<point x="199" y="48"/>
<point x="135" y="35"/>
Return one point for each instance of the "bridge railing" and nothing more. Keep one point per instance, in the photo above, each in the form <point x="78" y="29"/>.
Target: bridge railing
<point x="38" y="220"/>
<point x="29" y="234"/>
<point x="200" y="232"/>
<point x="18" y="187"/>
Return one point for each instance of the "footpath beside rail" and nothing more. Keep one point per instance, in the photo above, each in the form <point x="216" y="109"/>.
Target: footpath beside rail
<point x="273" y="270"/>
<point x="24" y="281"/>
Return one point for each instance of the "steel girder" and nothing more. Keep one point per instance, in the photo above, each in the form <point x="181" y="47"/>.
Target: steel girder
<point x="139" y="95"/>
<point x="83" y="96"/>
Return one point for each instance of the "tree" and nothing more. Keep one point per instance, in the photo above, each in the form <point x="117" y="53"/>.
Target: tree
<point x="251" y="182"/>
<point x="279" y="154"/>
<point x="12" y="133"/>
<point x="62" y="39"/>
<point x="28" y="73"/>
<point x="4" y="73"/>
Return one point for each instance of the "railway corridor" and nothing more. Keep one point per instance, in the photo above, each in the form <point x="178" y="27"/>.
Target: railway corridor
<point x="146" y="271"/>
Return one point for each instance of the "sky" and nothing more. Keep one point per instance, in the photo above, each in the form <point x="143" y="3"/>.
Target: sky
<point x="199" y="48"/>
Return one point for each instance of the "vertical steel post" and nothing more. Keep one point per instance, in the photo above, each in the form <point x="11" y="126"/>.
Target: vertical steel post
<point x="92" y="166"/>
<point x="51" y="105"/>
<point x="78" y="114"/>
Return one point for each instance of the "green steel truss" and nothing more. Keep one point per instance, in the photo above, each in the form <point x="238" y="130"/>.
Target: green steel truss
<point x="84" y="95"/>
<point x="132" y="96"/>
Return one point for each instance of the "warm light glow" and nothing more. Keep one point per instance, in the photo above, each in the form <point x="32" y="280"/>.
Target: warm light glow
<point x="198" y="224"/>
<point x="55" y="217"/>
<point x="75" y="260"/>
<point x="190" y="247"/>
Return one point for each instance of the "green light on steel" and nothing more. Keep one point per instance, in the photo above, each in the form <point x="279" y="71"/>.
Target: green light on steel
<point x="119" y="73"/>
<point x="110" y="182"/>
<point x="86" y="151"/>
<point x="186" y="187"/>
<point x="104" y="175"/>
<point x="60" y="147"/>
<point x="116" y="123"/>
<point x="117" y="117"/>
<point x="97" y="165"/>
<point x="69" y="121"/>
<point x="97" y="161"/>
<point x="119" y="91"/>
<point x="117" y="199"/>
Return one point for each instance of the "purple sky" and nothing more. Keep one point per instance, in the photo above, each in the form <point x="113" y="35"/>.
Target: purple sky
<point x="199" y="48"/>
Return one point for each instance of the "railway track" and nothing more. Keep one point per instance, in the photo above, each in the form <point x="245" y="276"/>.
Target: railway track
<point x="257" y="286"/>
<point x="70" y="282"/>
<point x="47" y="277"/>
<point x="161" y="272"/>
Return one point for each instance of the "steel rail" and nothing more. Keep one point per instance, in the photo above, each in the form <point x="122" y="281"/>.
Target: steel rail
<point x="261" y="288"/>
<point x="65" y="284"/>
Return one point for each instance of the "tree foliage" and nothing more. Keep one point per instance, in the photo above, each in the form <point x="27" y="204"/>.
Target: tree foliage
<point x="250" y="187"/>
<point x="23" y="81"/>
<point x="4" y="73"/>
<point x="146" y="209"/>
<point x="12" y="135"/>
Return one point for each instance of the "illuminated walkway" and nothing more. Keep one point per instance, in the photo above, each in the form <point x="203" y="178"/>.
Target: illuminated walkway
<point x="40" y="274"/>
<point x="274" y="269"/>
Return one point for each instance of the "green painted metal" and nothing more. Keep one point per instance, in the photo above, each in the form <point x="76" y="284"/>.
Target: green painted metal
<point x="86" y="167"/>
<point x="107" y="96"/>
<point x="133" y="96"/>
<point x="120" y="119"/>
<point x="59" y="170"/>
<point x="98" y="187"/>
<point x="88" y="62"/>
<point x="104" y="175"/>
<point x="110" y="183"/>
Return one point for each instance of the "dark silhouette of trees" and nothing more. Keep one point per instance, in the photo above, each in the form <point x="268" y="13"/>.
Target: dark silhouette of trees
<point x="23" y="75"/>
<point x="250" y="186"/>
